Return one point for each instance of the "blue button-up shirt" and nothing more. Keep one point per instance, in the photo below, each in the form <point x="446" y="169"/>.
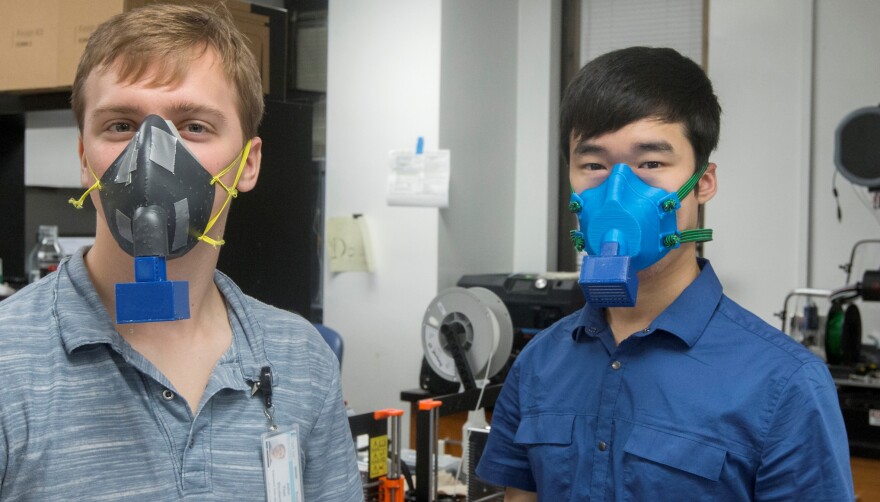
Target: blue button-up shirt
<point x="706" y="403"/>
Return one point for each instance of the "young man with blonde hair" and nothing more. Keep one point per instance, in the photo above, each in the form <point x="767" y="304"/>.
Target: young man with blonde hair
<point x="100" y="404"/>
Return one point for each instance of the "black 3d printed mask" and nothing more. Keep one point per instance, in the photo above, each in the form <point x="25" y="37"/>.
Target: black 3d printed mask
<point x="157" y="196"/>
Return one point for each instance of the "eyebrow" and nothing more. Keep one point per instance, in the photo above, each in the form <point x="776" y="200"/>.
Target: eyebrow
<point x="586" y="148"/>
<point x="654" y="146"/>
<point x="176" y="108"/>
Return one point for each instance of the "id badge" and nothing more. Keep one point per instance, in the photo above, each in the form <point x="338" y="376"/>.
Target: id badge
<point x="281" y="466"/>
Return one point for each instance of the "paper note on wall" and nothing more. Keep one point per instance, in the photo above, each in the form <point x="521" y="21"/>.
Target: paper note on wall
<point x="348" y="245"/>
<point x="418" y="179"/>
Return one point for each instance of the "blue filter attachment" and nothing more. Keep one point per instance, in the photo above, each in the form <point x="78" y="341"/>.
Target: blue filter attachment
<point x="151" y="298"/>
<point x="608" y="279"/>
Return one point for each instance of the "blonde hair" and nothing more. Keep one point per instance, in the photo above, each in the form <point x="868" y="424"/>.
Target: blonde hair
<point x="171" y="36"/>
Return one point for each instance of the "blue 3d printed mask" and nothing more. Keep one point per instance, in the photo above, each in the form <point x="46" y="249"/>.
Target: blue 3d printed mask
<point x="626" y="226"/>
<point x="157" y="201"/>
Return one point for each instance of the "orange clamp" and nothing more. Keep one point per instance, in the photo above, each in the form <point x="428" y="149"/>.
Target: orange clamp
<point x="429" y="404"/>
<point x="391" y="490"/>
<point x="389" y="412"/>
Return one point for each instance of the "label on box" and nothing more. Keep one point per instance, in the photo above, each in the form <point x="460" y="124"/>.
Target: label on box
<point x="26" y="37"/>
<point x="874" y="418"/>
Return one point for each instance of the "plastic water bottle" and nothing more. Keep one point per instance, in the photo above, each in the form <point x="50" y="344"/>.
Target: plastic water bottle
<point x="46" y="255"/>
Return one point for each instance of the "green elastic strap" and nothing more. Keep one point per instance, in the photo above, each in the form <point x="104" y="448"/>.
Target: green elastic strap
<point x="694" y="235"/>
<point x="691" y="182"/>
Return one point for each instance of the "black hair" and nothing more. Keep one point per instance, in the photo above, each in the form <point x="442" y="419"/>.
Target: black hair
<point x="624" y="86"/>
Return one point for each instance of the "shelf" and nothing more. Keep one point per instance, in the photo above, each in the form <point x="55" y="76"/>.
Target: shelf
<point x="19" y="103"/>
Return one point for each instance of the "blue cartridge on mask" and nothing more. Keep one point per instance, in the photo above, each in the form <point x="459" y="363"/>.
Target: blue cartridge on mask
<point x="608" y="279"/>
<point x="151" y="297"/>
<point x="626" y="226"/>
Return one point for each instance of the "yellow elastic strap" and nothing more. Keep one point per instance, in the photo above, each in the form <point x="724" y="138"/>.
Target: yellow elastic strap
<point x="230" y="193"/>
<point x="78" y="203"/>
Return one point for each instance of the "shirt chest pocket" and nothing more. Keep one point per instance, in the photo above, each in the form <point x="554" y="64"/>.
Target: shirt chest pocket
<point x="547" y="440"/>
<point x="657" y="462"/>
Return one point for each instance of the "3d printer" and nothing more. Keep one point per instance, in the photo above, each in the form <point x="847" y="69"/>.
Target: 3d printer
<point x="838" y="336"/>
<point x="532" y="302"/>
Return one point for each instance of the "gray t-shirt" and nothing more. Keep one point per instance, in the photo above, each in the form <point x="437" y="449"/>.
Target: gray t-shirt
<point x="83" y="416"/>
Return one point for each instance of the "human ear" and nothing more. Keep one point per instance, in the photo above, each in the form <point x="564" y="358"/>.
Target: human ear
<point x="251" y="170"/>
<point x="85" y="176"/>
<point x="707" y="185"/>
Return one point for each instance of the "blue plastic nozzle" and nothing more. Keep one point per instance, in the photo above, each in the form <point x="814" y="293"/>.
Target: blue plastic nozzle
<point x="608" y="279"/>
<point x="151" y="298"/>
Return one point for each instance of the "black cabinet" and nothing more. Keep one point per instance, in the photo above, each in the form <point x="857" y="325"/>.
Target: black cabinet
<point x="272" y="232"/>
<point x="12" y="244"/>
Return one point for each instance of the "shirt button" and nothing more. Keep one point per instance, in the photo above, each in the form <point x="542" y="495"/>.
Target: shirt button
<point x="615" y="365"/>
<point x="646" y="330"/>
<point x="167" y="395"/>
<point x="602" y="446"/>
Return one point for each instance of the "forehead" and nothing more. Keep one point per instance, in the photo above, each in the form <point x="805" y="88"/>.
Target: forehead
<point x="198" y="77"/>
<point x="645" y="131"/>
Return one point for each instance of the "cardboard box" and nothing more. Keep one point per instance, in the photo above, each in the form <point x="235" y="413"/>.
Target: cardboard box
<point x="41" y="41"/>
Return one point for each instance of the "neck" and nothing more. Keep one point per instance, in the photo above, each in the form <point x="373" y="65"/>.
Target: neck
<point x="184" y="351"/>
<point x="109" y="265"/>
<point x="659" y="286"/>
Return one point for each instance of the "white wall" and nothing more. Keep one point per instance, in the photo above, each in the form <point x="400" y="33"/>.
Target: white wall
<point x="847" y="77"/>
<point x="478" y="125"/>
<point x="50" y="149"/>
<point x="786" y="73"/>
<point x="760" y="65"/>
<point x="537" y="205"/>
<point x="478" y="78"/>
<point x="383" y="88"/>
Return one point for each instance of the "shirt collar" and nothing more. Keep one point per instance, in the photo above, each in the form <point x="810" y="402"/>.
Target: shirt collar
<point x="686" y="318"/>
<point x="83" y="320"/>
<point x="690" y="313"/>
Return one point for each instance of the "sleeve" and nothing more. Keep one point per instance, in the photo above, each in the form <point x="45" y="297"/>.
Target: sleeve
<point x="505" y="463"/>
<point x="4" y="454"/>
<point x="806" y="452"/>
<point x="331" y="470"/>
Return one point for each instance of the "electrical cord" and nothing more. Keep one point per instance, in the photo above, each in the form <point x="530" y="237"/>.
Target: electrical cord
<point x="836" y="197"/>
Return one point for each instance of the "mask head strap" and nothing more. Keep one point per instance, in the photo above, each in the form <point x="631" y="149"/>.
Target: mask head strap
<point x="78" y="203"/>
<point x="231" y="192"/>
<point x="691" y="182"/>
<point x="696" y="234"/>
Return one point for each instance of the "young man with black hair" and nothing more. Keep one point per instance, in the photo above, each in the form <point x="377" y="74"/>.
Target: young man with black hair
<point x="661" y="387"/>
